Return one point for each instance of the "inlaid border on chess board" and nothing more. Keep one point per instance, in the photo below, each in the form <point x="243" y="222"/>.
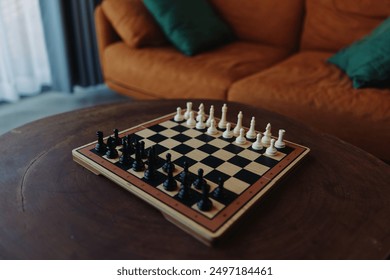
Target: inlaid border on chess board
<point x="213" y="224"/>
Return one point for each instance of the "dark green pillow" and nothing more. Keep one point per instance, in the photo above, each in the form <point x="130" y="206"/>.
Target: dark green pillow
<point x="367" y="61"/>
<point x="191" y="25"/>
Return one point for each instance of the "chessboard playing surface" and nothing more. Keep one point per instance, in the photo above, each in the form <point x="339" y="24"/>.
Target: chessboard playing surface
<point x="247" y="173"/>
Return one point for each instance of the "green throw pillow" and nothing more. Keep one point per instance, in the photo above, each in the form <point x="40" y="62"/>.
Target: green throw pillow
<point x="191" y="25"/>
<point x="367" y="61"/>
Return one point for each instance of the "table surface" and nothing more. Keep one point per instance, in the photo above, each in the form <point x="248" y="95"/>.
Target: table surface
<point x="333" y="206"/>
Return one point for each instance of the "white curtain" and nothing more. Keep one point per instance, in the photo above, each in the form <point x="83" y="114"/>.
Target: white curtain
<point x="24" y="66"/>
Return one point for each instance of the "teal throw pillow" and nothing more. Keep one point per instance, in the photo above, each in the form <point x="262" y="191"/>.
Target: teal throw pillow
<point x="367" y="61"/>
<point x="191" y="25"/>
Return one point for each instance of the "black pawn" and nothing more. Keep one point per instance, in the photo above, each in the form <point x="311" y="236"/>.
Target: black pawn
<point x="142" y="149"/>
<point x="117" y="139"/>
<point x="151" y="171"/>
<point x="199" y="182"/>
<point x="184" y="172"/>
<point x="205" y="203"/>
<point x="168" y="164"/>
<point x="219" y="192"/>
<point x="111" y="151"/>
<point x="100" y="147"/>
<point x="184" y="188"/>
<point x="125" y="158"/>
<point x="130" y="144"/>
<point x="138" y="164"/>
<point x="170" y="183"/>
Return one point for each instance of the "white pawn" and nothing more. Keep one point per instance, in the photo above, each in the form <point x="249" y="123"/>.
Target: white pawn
<point x="267" y="135"/>
<point x="241" y="138"/>
<point x="212" y="129"/>
<point x="280" y="142"/>
<point x="257" y="144"/>
<point x="271" y="150"/>
<point x="211" y="116"/>
<point x="227" y="134"/>
<point x="238" y="127"/>
<point x="200" y="124"/>
<point x="188" y="111"/>
<point x="178" y="117"/>
<point x="201" y="113"/>
<point x="191" y="120"/>
<point x="222" y="123"/>
<point x="251" y="134"/>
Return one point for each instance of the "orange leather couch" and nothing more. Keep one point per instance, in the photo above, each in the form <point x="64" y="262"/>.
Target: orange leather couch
<point x="278" y="62"/>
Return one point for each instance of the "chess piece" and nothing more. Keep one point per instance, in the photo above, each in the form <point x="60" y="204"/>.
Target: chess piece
<point x="241" y="138"/>
<point x="205" y="203"/>
<point x="267" y="135"/>
<point x="138" y="164"/>
<point x="178" y="117"/>
<point x="142" y="149"/>
<point x="150" y="172"/>
<point x="227" y="134"/>
<point x="168" y="165"/>
<point x="236" y="130"/>
<point x="251" y="134"/>
<point x="117" y="139"/>
<point x="211" y="116"/>
<point x="111" y="151"/>
<point x="100" y="147"/>
<point x="257" y="144"/>
<point x="184" y="172"/>
<point x="271" y="150"/>
<point x="184" y="188"/>
<point x="201" y="114"/>
<point x="200" y="180"/>
<point x="170" y="183"/>
<point x="280" y="144"/>
<point x="212" y="130"/>
<point x="219" y="191"/>
<point x="125" y="158"/>
<point x="200" y="124"/>
<point x="222" y="123"/>
<point x="191" y="120"/>
<point x="188" y="111"/>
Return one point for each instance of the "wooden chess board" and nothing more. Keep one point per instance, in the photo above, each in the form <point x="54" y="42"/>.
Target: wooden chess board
<point x="247" y="173"/>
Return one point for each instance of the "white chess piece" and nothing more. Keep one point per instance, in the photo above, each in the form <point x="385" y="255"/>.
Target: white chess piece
<point x="222" y="123"/>
<point x="257" y="144"/>
<point x="212" y="130"/>
<point x="201" y="113"/>
<point x="251" y="134"/>
<point x="188" y="111"/>
<point x="267" y="135"/>
<point x="200" y="124"/>
<point x="178" y="117"/>
<point x="238" y="127"/>
<point x="241" y="138"/>
<point x="227" y="134"/>
<point x="211" y="116"/>
<point x="271" y="150"/>
<point x="280" y="142"/>
<point x="191" y="120"/>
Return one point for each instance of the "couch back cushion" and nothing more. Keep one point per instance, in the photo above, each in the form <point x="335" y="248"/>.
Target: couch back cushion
<point x="272" y="22"/>
<point x="334" y="24"/>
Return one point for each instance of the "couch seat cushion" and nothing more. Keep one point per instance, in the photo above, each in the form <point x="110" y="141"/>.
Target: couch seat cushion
<point x="308" y="89"/>
<point x="166" y="73"/>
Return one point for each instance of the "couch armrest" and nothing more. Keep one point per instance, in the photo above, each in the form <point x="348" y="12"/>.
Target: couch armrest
<point x="105" y="33"/>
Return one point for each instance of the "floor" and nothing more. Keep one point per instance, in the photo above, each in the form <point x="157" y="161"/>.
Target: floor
<point x="28" y="109"/>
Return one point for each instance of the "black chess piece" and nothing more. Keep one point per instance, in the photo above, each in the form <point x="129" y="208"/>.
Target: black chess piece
<point x="184" y="188"/>
<point x="125" y="158"/>
<point x="117" y="139"/>
<point x="150" y="172"/>
<point x="100" y="147"/>
<point x="142" y="149"/>
<point x="205" y="203"/>
<point x="199" y="181"/>
<point x="138" y="164"/>
<point x="219" y="191"/>
<point x="130" y="144"/>
<point x="168" y="164"/>
<point x="111" y="151"/>
<point x="170" y="183"/>
<point x="184" y="172"/>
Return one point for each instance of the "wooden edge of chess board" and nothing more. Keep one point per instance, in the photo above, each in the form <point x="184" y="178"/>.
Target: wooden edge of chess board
<point x="196" y="225"/>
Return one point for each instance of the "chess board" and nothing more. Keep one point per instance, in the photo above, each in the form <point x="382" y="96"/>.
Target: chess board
<point x="247" y="173"/>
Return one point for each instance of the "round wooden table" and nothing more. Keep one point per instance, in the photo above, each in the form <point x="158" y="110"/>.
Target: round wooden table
<point x="335" y="205"/>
